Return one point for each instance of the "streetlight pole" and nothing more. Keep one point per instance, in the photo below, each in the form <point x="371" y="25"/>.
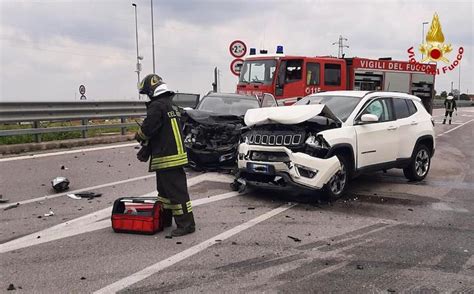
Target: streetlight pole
<point x="152" y="37"/>
<point x="423" y="35"/>
<point x="138" y="55"/>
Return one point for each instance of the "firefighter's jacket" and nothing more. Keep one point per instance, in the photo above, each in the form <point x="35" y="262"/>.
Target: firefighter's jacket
<point x="450" y="105"/>
<point x="162" y="129"/>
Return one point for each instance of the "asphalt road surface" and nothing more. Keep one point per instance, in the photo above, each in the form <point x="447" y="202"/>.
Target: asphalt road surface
<point x="388" y="235"/>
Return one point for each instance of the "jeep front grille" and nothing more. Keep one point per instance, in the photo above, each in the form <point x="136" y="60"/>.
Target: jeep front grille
<point x="275" y="139"/>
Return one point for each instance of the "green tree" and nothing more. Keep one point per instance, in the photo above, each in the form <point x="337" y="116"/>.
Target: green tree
<point x="444" y="94"/>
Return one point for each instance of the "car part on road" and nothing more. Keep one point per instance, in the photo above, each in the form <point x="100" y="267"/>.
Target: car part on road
<point x="238" y="185"/>
<point x="50" y="213"/>
<point x="3" y="200"/>
<point x="294" y="239"/>
<point x="88" y="195"/>
<point x="12" y="206"/>
<point x="60" y="184"/>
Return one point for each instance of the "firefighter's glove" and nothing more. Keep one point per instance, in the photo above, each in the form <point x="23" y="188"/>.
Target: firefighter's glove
<point x="144" y="153"/>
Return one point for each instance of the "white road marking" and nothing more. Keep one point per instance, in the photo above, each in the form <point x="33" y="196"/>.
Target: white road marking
<point x="199" y="178"/>
<point x="86" y="224"/>
<point x="445" y="207"/>
<point x="52" y="196"/>
<point x="159" y="266"/>
<point x="40" y="155"/>
<point x="453" y="129"/>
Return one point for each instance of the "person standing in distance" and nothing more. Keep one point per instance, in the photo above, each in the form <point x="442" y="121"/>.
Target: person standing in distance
<point x="450" y="106"/>
<point x="161" y="133"/>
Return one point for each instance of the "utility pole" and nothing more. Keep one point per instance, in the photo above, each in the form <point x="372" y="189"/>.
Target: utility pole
<point x="341" y="45"/>
<point x="152" y="37"/>
<point x="139" y="66"/>
<point x="214" y="85"/>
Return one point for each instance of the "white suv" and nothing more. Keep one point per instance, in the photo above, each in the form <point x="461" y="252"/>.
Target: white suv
<point x="325" y="139"/>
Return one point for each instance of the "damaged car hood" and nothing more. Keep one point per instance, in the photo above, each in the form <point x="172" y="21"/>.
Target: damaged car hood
<point x="287" y="115"/>
<point x="209" y="118"/>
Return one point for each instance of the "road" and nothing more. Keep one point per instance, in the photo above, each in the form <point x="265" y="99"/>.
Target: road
<point x="388" y="235"/>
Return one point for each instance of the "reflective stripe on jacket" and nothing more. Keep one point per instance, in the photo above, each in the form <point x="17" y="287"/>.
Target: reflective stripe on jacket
<point x="162" y="128"/>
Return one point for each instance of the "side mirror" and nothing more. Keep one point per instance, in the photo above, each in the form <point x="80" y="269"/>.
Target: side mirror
<point x="369" y="118"/>
<point x="184" y="100"/>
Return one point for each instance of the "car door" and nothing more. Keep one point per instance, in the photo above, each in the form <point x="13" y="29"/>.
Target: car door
<point x="407" y="126"/>
<point x="377" y="142"/>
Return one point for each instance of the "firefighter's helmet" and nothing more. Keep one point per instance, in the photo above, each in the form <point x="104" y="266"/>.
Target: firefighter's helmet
<point x="450" y="97"/>
<point x="152" y="86"/>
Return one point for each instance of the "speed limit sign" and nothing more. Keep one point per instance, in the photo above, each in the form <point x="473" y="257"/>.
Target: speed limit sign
<point x="238" y="48"/>
<point x="236" y="66"/>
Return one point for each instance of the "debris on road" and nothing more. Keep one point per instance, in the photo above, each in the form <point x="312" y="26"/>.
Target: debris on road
<point x="83" y="278"/>
<point x="294" y="239"/>
<point x="168" y="237"/>
<point x="410" y="209"/>
<point x="390" y="290"/>
<point x="360" y="267"/>
<point x="11" y="287"/>
<point x="87" y="195"/>
<point x="63" y="167"/>
<point x="179" y="242"/>
<point x="12" y="206"/>
<point x="60" y="184"/>
<point x="50" y="213"/>
<point x="100" y="161"/>
<point x="251" y="208"/>
<point x="3" y="200"/>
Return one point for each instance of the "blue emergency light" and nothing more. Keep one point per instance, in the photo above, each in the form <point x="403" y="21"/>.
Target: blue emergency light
<point x="253" y="51"/>
<point x="279" y="49"/>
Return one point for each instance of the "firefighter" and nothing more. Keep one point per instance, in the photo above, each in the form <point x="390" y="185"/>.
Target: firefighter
<point x="450" y="106"/>
<point x="161" y="134"/>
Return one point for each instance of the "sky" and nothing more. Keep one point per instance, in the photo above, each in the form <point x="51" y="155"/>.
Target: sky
<point x="48" y="48"/>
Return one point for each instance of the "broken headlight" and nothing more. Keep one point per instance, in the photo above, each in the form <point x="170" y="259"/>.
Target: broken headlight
<point x="316" y="146"/>
<point x="316" y="142"/>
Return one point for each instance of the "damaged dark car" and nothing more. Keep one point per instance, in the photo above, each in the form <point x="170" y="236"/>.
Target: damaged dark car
<point x="213" y="130"/>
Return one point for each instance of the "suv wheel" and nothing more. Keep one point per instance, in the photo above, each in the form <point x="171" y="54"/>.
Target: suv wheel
<point x="419" y="165"/>
<point x="337" y="185"/>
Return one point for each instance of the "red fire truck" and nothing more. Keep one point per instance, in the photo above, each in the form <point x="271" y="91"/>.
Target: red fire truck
<point x="299" y="76"/>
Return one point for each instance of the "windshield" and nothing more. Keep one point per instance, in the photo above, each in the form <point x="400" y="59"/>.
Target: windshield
<point x="341" y="106"/>
<point x="227" y="105"/>
<point x="258" y="71"/>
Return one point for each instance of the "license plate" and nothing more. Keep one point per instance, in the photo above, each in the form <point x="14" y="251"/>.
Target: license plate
<point x="266" y="169"/>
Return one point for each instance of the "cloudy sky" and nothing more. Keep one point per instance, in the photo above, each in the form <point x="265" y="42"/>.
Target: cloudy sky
<point x="48" y="48"/>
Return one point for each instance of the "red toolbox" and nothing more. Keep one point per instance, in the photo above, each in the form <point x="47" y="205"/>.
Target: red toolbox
<point x="140" y="215"/>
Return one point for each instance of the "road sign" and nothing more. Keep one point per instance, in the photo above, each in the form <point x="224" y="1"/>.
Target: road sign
<point x="238" y="49"/>
<point x="236" y="66"/>
<point x="82" y="89"/>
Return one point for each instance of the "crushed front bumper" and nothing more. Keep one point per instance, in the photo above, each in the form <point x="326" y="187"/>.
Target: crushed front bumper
<point x="278" y="164"/>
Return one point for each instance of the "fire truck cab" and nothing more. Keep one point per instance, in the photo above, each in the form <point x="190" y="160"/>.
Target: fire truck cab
<point x="289" y="78"/>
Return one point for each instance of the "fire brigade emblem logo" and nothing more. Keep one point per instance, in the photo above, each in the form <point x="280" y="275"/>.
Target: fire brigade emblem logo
<point x="435" y="49"/>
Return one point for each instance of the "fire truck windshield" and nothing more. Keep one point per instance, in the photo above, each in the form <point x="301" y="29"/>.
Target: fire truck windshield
<point x="258" y="71"/>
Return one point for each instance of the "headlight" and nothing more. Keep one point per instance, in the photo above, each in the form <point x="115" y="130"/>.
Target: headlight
<point x="312" y="141"/>
<point x="316" y="142"/>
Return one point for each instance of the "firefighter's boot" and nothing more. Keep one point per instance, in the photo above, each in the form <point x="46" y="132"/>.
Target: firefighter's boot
<point x="167" y="218"/>
<point x="449" y="121"/>
<point x="185" y="224"/>
<point x="444" y="121"/>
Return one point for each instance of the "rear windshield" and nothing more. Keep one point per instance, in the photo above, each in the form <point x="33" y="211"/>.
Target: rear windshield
<point x="341" y="106"/>
<point x="227" y="105"/>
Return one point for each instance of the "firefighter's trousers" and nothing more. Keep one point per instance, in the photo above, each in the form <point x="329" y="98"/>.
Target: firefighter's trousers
<point x="173" y="193"/>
